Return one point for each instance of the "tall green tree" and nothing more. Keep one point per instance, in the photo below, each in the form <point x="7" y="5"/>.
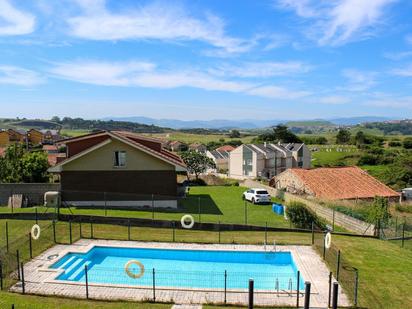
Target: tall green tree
<point x="197" y="162"/>
<point x="281" y="134"/>
<point x="234" y="134"/>
<point x="35" y="165"/>
<point x="343" y="136"/>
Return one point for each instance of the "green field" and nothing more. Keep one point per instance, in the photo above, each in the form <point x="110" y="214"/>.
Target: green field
<point x="328" y="155"/>
<point x="217" y="204"/>
<point x="199" y="138"/>
<point x="384" y="268"/>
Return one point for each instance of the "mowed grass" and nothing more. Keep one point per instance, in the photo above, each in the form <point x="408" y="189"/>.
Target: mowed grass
<point x="217" y="204"/>
<point x="199" y="138"/>
<point x="384" y="268"/>
<point x="334" y="157"/>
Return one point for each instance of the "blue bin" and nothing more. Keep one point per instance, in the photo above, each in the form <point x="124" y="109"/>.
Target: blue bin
<point x="278" y="208"/>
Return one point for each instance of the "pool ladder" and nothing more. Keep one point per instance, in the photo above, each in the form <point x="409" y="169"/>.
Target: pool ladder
<point x="273" y="248"/>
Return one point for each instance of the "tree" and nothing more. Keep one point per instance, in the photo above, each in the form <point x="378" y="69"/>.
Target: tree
<point x="379" y="211"/>
<point x="343" y="136"/>
<point x="197" y="162"/>
<point x="234" y="134"/>
<point x="360" y="138"/>
<point x="20" y="166"/>
<point x="11" y="167"/>
<point x="281" y="134"/>
<point x="35" y="165"/>
<point x="407" y="143"/>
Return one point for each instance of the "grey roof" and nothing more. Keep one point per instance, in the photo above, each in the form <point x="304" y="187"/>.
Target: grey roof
<point x="293" y="146"/>
<point x="220" y="154"/>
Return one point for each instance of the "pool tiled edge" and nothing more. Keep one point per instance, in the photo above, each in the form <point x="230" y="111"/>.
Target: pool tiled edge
<point x="40" y="279"/>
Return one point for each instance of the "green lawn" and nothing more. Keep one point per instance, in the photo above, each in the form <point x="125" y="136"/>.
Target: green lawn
<point x="384" y="267"/>
<point x="334" y="157"/>
<point x="199" y="138"/>
<point x="217" y="203"/>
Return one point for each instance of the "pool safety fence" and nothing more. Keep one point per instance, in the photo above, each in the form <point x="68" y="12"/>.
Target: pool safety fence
<point x="397" y="230"/>
<point x="344" y="273"/>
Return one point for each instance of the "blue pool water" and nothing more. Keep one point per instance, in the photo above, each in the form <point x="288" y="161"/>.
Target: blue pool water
<point x="183" y="268"/>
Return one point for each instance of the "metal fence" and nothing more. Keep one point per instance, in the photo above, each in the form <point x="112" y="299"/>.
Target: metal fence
<point x="397" y="230"/>
<point x="341" y="269"/>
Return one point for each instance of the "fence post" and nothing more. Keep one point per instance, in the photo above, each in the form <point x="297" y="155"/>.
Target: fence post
<point x="105" y="204"/>
<point x="7" y="236"/>
<point x="313" y="234"/>
<point x="297" y="289"/>
<point x="54" y="230"/>
<point x="153" y="212"/>
<point x="174" y="226"/>
<point x="324" y="247"/>
<point x="80" y="228"/>
<point x="70" y="231"/>
<point x="355" y="297"/>
<point x="200" y="211"/>
<point x="219" y="230"/>
<point x="335" y="296"/>
<point x="338" y="266"/>
<point x="87" y="281"/>
<point x="251" y="283"/>
<point x="91" y="228"/>
<point x="1" y="276"/>
<point x="128" y="229"/>
<point x="245" y="212"/>
<point x="23" y="285"/>
<point x="36" y="216"/>
<point x="266" y="233"/>
<point x="333" y="220"/>
<point x="307" y="295"/>
<point x="403" y="234"/>
<point x="18" y="264"/>
<point x="154" y="286"/>
<point x="225" y="286"/>
<point x="30" y="246"/>
<point x="396" y="226"/>
<point x="330" y="289"/>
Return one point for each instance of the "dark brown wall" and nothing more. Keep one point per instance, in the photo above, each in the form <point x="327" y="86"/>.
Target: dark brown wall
<point x="76" y="147"/>
<point x="119" y="185"/>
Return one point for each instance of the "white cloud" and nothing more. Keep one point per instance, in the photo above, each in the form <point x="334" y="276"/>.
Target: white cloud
<point x="14" y="21"/>
<point x="275" y="92"/>
<point x="390" y="101"/>
<point x="406" y="71"/>
<point x="341" y="21"/>
<point x="11" y="75"/>
<point x="334" y="100"/>
<point x="155" y="21"/>
<point x="263" y="69"/>
<point x="359" y="80"/>
<point x="145" y="74"/>
<point x="396" y="56"/>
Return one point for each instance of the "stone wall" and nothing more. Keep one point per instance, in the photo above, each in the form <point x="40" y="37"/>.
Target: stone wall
<point x="330" y="215"/>
<point x="34" y="192"/>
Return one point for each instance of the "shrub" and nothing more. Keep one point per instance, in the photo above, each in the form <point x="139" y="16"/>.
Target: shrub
<point x="407" y="143"/>
<point x="394" y="144"/>
<point x="302" y="217"/>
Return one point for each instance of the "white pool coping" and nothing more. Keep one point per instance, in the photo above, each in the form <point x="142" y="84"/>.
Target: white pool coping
<point x="41" y="279"/>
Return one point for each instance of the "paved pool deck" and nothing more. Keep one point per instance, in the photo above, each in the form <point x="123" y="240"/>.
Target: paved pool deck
<point x="40" y="279"/>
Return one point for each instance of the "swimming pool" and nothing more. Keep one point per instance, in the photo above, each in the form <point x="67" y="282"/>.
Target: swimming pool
<point x="180" y="269"/>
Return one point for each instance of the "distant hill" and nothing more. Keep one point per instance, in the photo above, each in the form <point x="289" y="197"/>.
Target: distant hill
<point x="36" y="124"/>
<point x="353" y="121"/>
<point x="225" y="124"/>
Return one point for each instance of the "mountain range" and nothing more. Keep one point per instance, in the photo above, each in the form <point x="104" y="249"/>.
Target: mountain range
<point x="246" y="123"/>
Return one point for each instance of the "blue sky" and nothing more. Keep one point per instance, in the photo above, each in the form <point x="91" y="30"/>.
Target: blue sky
<point x="206" y="59"/>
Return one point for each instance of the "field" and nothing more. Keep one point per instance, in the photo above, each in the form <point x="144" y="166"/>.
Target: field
<point x="217" y="204"/>
<point x="334" y="155"/>
<point x="199" y="138"/>
<point x="384" y="267"/>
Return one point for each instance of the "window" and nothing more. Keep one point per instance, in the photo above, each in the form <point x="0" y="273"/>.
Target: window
<point x="119" y="158"/>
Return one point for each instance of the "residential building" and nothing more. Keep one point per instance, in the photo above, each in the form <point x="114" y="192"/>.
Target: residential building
<point x="116" y="168"/>
<point x="50" y="136"/>
<point x="12" y="136"/>
<point x="198" y="147"/>
<point x="35" y="137"/>
<point x="177" y="146"/>
<point x="333" y="183"/>
<point x="221" y="159"/>
<point x="267" y="160"/>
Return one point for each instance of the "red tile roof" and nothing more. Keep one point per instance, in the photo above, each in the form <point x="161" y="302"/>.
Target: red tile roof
<point x="227" y="148"/>
<point x="54" y="158"/>
<point x="50" y="148"/>
<point x="342" y="183"/>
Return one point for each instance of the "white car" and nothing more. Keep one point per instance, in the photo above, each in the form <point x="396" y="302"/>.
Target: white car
<point x="256" y="195"/>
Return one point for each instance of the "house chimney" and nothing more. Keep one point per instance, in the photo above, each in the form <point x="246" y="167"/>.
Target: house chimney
<point x="265" y="144"/>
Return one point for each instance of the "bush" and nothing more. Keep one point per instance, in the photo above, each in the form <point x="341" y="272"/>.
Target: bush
<point x="394" y="144"/>
<point x="302" y="217"/>
<point x="407" y="143"/>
